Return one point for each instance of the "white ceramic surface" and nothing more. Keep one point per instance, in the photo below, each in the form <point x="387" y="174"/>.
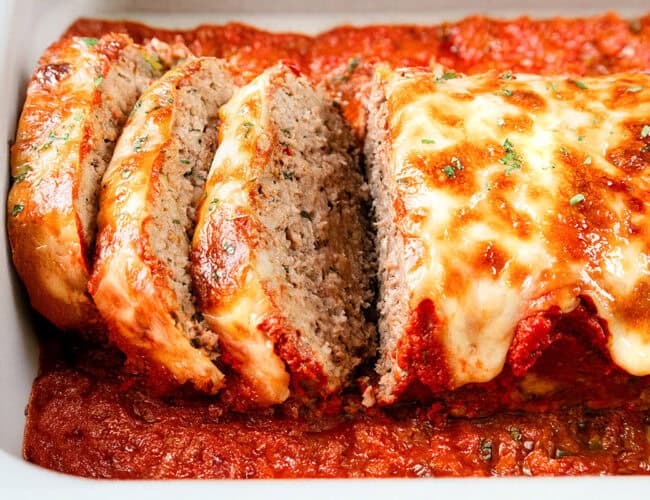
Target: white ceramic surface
<point x="26" y="28"/>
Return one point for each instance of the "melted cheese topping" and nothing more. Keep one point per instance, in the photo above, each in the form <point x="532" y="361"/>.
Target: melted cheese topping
<point x="516" y="194"/>
<point x="243" y="148"/>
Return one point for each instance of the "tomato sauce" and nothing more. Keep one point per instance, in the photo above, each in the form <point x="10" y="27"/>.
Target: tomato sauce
<point x="570" y="411"/>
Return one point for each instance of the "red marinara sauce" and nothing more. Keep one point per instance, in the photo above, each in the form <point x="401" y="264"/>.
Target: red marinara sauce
<point x="570" y="411"/>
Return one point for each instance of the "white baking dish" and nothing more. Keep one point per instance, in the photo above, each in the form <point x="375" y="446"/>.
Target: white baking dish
<point x="26" y="28"/>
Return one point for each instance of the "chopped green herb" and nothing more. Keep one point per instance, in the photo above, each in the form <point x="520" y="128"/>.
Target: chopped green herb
<point x="645" y="131"/>
<point x="78" y="116"/>
<point x="185" y="162"/>
<point x="580" y="84"/>
<point x="561" y="453"/>
<point x="17" y="209"/>
<point x="506" y="92"/>
<point x="485" y="449"/>
<point x="21" y="172"/>
<point x="578" y="198"/>
<point x="352" y="65"/>
<point x="287" y="175"/>
<point x="188" y="173"/>
<point x="248" y="126"/>
<point x="137" y="106"/>
<point x="154" y="61"/>
<point x="403" y="180"/>
<point x="229" y="248"/>
<point x="98" y="80"/>
<point x="139" y="142"/>
<point x="554" y="86"/>
<point x="587" y="160"/>
<point x="515" y="433"/>
<point x="428" y="141"/>
<point x="506" y="76"/>
<point x="448" y="75"/>
<point x="511" y="160"/>
<point x="286" y="268"/>
<point x="634" y="88"/>
<point x="449" y="171"/>
<point x="176" y="221"/>
<point x="488" y="186"/>
<point x="213" y="203"/>
<point x="286" y="132"/>
<point x="90" y="41"/>
<point x="125" y="174"/>
<point x="305" y="215"/>
<point x="564" y="151"/>
<point x="581" y="138"/>
<point x="51" y="137"/>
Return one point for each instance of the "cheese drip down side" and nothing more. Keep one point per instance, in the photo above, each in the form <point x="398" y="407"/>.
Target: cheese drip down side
<point x="515" y="194"/>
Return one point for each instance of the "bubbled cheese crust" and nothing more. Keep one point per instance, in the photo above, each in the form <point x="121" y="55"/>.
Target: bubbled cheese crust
<point x="77" y="101"/>
<point x="509" y="196"/>
<point x="146" y="217"/>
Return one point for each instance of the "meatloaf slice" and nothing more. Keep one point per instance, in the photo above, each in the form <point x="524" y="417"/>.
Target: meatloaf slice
<point x="77" y="101"/>
<point x="281" y="257"/>
<point x="141" y="281"/>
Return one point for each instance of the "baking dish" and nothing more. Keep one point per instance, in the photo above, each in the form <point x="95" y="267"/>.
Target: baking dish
<point x="26" y="28"/>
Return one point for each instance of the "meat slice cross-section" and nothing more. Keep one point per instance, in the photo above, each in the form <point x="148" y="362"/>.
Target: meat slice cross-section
<point x="281" y="256"/>
<point x="141" y="280"/>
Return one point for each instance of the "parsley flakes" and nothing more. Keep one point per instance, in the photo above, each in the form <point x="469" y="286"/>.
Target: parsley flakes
<point x="455" y="165"/>
<point x="90" y="41"/>
<point x="575" y="199"/>
<point x="580" y="84"/>
<point x="428" y="141"/>
<point x="139" y="142"/>
<point x="645" y="131"/>
<point x="448" y="75"/>
<point x="511" y="160"/>
<point x="634" y="88"/>
<point x="228" y="247"/>
<point x="17" y="209"/>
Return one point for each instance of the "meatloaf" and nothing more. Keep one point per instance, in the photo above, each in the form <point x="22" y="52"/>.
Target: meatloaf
<point x="141" y="281"/>
<point x="505" y="205"/>
<point x="281" y="257"/>
<point x="77" y="101"/>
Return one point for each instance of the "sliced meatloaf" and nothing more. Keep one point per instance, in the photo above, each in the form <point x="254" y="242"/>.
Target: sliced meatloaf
<point x="281" y="256"/>
<point x="141" y="280"/>
<point x="77" y="101"/>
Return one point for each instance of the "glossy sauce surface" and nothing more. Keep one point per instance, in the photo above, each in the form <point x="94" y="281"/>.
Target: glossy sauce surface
<point x="572" y="413"/>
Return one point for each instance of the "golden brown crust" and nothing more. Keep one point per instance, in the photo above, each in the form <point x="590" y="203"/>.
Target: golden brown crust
<point x="55" y="137"/>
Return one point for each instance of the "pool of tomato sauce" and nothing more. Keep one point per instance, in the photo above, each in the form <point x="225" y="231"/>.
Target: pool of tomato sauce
<point x="573" y="412"/>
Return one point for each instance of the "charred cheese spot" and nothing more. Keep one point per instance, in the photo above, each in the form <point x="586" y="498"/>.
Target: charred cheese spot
<point x="548" y="207"/>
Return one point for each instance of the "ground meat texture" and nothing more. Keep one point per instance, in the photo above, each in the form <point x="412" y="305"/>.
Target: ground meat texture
<point x="283" y="227"/>
<point x="141" y="282"/>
